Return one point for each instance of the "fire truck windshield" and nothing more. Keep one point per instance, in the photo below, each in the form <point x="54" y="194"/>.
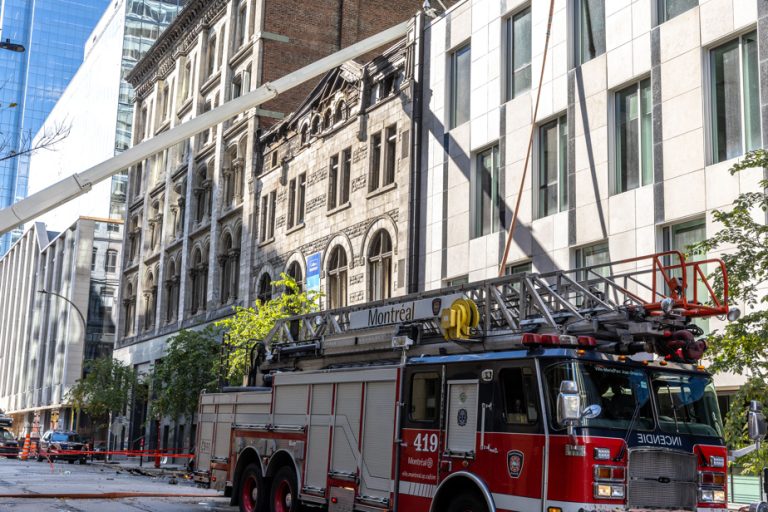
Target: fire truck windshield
<point x="686" y="403"/>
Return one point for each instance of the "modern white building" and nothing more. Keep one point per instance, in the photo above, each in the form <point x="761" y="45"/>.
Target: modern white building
<point x="57" y="295"/>
<point x="97" y="108"/>
<point x="644" y="106"/>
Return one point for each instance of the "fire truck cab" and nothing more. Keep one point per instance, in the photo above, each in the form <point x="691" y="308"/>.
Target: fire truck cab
<point x="385" y="412"/>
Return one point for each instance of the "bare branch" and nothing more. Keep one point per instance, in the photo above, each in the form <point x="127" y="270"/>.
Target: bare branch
<point x="28" y="145"/>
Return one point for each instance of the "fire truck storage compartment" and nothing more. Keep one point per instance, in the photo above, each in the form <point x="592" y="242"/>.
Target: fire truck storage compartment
<point x="218" y="411"/>
<point x="354" y="412"/>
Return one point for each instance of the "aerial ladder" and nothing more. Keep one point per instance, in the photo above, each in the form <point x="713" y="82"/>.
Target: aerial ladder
<point x="646" y="304"/>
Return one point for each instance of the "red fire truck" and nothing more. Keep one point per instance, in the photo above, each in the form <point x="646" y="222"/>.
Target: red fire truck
<point x="572" y="391"/>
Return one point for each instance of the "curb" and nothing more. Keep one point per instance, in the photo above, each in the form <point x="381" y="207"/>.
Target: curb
<point x="107" y="495"/>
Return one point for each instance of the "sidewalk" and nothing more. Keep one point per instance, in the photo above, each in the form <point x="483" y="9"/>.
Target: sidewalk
<point x="146" y="468"/>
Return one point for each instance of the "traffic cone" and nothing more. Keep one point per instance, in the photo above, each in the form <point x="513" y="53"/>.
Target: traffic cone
<point x="25" y="449"/>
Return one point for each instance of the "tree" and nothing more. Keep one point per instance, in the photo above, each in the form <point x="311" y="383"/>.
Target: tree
<point x="248" y="325"/>
<point x="190" y="365"/>
<point x="106" y="388"/>
<point x="742" y="347"/>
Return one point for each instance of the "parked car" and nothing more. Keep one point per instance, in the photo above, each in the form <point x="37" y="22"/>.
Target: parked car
<point x="5" y="420"/>
<point x="9" y="447"/>
<point x="60" y="445"/>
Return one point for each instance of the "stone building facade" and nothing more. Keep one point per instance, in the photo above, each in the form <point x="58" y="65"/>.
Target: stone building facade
<point x="192" y="242"/>
<point x="58" y="293"/>
<point x="334" y="186"/>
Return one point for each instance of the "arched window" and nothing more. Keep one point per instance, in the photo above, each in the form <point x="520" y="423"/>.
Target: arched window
<point x="304" y="134"/>
<point x="316" y="125"/>
<point x="380" y="266"/>
<point x="199" y="280"/>
<point x="227" y="271"/>
<point x="129" y="306"/>
<point x="338" y="114"/>
<point x="294" y="270"/>
<point x="202" y="191"/>
<point x="337" y="278"/>
<point x="172" y="286"/>
<point x="150" y="299"/>
<point x="327" y="120"/>
<point x="229" y="178"/>
<point x="264" y="288"/>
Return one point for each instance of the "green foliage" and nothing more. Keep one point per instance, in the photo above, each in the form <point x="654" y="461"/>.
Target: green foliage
<point x="251" y="324"/>
<point x="191" y="364"/>
<point x="742" y="347"/>
<point x="105" y="388"/>
<point x="736" y="424"/>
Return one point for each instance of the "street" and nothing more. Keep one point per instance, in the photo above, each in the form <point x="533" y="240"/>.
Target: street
<point x="20" y="479"/>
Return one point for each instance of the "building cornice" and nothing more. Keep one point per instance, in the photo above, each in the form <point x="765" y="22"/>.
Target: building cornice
<point x="177" y="38"/>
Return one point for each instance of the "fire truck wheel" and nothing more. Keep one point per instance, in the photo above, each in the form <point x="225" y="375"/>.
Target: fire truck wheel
<point x="252" y="493"/>
<point x="467" y="503"/>
<point x="284" y="496"/>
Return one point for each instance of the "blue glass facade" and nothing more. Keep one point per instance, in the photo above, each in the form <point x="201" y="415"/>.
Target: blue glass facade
<point x="54" y="33"/>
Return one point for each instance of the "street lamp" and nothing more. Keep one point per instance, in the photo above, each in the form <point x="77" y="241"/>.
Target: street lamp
<point x="82" y="319"/>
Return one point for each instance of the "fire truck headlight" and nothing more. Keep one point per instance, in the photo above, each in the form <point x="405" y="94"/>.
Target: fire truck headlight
<point x="602" y="453"/>
<point x="609" y="491"/>
<point x="713" y="496"/>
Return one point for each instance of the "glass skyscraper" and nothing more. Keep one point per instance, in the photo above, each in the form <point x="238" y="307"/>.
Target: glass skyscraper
<point x="54" y="33"/>
<point x="144" y="22"/>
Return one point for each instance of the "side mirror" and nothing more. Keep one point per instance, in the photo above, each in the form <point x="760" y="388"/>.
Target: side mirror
<point x="756" y="422"/>
<point x="568" y="404"/>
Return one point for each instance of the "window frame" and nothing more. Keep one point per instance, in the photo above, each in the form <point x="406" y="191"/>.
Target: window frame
<point x="477" y="228"/>
<point x="454" y="81"/>
<point x="561" y="123"/>
<point x="661" y="12"/>
<point x="579" y="257"/>
<point x="577" y="28"/>
<point x="296" y="196"/>
<point x="640" y="86"/>
<point x="379" y="266"/>
<point x="510" y="71"/>
<point x="712" y="156"/>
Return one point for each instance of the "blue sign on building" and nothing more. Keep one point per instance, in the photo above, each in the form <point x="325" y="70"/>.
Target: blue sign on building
<point x="313" y="272"/>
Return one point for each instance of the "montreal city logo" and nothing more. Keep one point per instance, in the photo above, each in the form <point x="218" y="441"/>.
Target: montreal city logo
<point x="436" y="303"/>
<point x="515" y="463"/>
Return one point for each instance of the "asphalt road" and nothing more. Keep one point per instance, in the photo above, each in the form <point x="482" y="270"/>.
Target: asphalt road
<point x="38" y="486"/>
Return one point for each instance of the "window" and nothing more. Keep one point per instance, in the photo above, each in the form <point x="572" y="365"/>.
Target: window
<point x="456" y="281"/>
<point x="383" y="176"/>
<point x="373" y="178"/>
<point x="460" y="83"/>
<point x="242" y="26"/>
<point x="590" y="30"/>
<point x="247" y="79"/>
<point x="553" y="167"/>
<point x="338" y="179"/>
<point x="172" y="286"/>
<point x="110" y="263"/>
<point x="593" y="255"/>
<point x="229" y="259"/>
<point x="199" y="274"/>
<point x="202" y="192"/>
<point x="237" y="86"/>
<point x="296" y="195"/>
<point x="425" y="389"/>
<point x="94" y="255"/>
<point x="633" y="138"/>
<point x="210" y="55"/>
<point x="186" y="78"/>
<point x="735" y="108"/>
<point x="680" y="237"/>
<point x="380" y="266"/>
<point x="150" y="300"/>
<point x="518" y="269"/>
<point x="518" y="386"/>
<point x="294" y="270"/>
<point x="518" y="53"/>
<point x="485" y="193"/>
<point x="668" y="9"/>
<point x="337" y="278"/>
<point x="267" y="231"/>
<point x="264" y="290"/>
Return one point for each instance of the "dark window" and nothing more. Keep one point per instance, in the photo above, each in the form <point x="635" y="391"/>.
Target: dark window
<point x="380" y="266"/>
<point x="391" y="156"/>
<point x="553" y="168"/>
<point x="634" y="137"/>
<point x="264" y="292"/>
<point x="518" y="386"/>
<point x="519" y="53"/>
<point x="485" y="193"/>
<point x="591" y="29"/>
<point x="296" y="193"/>
<point x="373" y="175"/>
<point x="460" y="83"/>
<point x="333" y="183"/>
<point x="425" y="394"/>
<point x="668" y="9"/>
<point x="337" y="278"/>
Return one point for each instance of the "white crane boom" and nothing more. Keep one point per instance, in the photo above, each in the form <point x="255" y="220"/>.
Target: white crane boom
<point x="73" y="186"/>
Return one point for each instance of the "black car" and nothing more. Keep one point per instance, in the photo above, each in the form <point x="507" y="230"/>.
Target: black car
<point x="9" y="447"/>
<point x="62" y="445"/>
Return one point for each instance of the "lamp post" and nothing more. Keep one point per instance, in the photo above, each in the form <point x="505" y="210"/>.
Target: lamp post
<point x="85" y="328"/>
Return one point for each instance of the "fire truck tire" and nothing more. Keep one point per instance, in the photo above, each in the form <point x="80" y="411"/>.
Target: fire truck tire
<point x="253" y="492"/>
<point x="467" y="503"/>
<point x="284" y="496"/>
